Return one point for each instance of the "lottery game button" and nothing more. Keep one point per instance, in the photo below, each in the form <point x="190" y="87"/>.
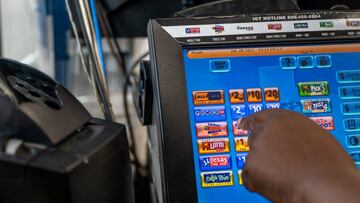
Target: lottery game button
<point x="240" y="160"/>
<point x="241" y="144"/>
<point x="272" y="94"/>
<point x="212" y="97"/>
<point x="307" y="89"/>
<point x="350" y="108"/>
<point x="211" y="129"/>
<point x="212" y="163"/>
<point x="272" y="105"/>
<point x="241" y="182"/>
<point x="217" y="179"/>
<point x="348" y="76"/>
<point x="349" y="92"/>
<point x="254" y="108"/>
<point x="238" y="111"/>
<point x="316" y="105"/>
<point x="236" y="96"/>
<point x="254" y="95"/>
<point x="326" y="122"/>
<point x="213" y="146"/>
<point x="237" y="131"/>
<point x="209" y="114"/>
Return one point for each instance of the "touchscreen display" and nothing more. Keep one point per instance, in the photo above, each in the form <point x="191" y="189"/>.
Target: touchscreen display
<point x="223" y="85"/>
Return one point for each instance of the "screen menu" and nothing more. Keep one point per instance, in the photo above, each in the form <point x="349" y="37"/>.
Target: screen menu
<point x="223" y="85"/>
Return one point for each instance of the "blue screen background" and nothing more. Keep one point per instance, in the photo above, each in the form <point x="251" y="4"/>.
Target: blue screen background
<point x="260" y="72"/>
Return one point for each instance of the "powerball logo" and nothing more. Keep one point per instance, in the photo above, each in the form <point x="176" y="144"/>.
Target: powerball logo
<point x="192" y="30"/>
<point x="218" y="29"/>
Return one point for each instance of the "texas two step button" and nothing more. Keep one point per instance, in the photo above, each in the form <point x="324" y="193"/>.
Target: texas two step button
<point x="215" y="162"/>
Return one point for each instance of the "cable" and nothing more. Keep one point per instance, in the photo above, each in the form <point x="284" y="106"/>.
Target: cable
<point x="98" y="36"/>
<point x="109" y="34"/>
<point x="127" y="84"/>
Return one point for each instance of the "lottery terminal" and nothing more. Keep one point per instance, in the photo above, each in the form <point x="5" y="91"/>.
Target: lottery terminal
<point x="207" y="73"/>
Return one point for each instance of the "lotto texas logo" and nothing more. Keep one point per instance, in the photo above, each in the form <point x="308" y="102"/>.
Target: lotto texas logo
<point x="326" y="122"/>
<point x="208" y="146"/>
<point x="218" y="29"/>
<point x="211" y="129"/>
<point x="316" y="106"/>
<point x="215" y="162"/>
<point x="192" y="30"/>
<point x="275" y="26"/>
